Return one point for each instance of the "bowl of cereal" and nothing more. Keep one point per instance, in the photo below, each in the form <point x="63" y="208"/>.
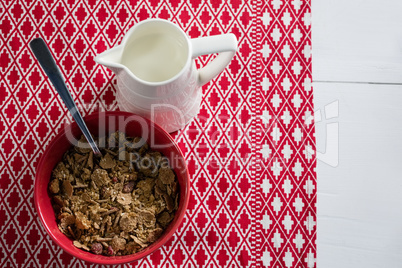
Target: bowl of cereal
<point x="118" y="207"/>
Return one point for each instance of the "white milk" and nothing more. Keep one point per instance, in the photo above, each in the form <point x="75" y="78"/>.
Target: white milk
<point x="155" y="57"/>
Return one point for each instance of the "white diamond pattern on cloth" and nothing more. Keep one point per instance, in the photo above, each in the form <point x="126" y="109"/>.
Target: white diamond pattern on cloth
<point x="250" y="150"/>
<point x="285" y="142"/>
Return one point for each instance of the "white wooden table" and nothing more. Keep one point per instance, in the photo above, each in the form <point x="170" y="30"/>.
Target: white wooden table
<point x="357" y="79"/>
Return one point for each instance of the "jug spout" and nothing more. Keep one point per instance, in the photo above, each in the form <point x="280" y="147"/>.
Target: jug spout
<point x="111" y="58"/>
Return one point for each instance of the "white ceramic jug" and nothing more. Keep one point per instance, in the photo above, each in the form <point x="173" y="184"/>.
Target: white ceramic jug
<point x="156" y="74"/>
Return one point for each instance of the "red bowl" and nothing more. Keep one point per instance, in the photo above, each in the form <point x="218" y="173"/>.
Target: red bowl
<point x="100" y="124"/>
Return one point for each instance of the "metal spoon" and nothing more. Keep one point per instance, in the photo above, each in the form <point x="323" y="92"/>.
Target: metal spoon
<point x="48" y="64"/>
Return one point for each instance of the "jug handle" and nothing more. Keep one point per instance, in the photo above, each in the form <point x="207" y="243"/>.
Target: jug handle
<point x="225" y="45"/>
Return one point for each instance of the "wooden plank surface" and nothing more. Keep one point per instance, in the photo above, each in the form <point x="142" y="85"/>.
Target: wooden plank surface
<point x="359" y="215"/>
<point x="357" y="40"/>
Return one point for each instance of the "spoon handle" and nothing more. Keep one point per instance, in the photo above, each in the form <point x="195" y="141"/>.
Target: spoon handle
<point x="48" y="64"/>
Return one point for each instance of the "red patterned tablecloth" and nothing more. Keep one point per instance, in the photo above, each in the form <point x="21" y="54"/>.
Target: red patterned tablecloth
<point x="250" y="151"/>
